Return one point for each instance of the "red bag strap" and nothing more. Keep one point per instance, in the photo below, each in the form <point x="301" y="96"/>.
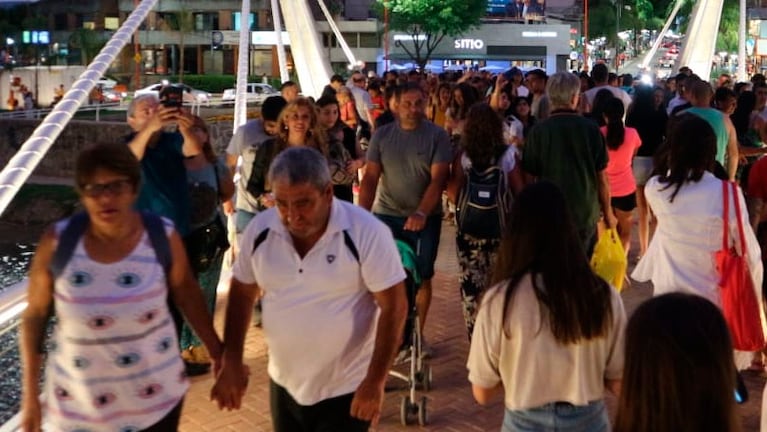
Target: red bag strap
<point x="725" y="216"/>
<point x="736" y="200"/>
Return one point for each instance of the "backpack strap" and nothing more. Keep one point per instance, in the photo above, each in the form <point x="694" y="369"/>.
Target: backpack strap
<point x="155" y="229"/>
<point x="261" y="237"/>
<point x="77" y="225"/>
<point x="350" y="245"/>
<point x="67" y="242"/>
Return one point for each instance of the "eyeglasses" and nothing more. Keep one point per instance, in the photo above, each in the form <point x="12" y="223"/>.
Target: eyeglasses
<point x="117" y="187"/>
<point x="358" y="79"/>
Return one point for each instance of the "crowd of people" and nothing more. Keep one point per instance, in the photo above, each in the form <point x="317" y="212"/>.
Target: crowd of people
<point x="530" y="169"/>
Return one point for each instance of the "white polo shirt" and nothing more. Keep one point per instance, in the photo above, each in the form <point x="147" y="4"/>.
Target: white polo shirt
<point x="319" y="316"/>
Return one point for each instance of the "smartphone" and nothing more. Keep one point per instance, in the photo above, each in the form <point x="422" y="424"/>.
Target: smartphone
<point x="172" y="96"/>
<point x="741" y="391"/>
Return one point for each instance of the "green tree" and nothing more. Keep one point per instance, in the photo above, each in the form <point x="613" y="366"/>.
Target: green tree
<point x="430" y="21"/>
<point x="88" y="41"/>
<point x="183" y="23"/>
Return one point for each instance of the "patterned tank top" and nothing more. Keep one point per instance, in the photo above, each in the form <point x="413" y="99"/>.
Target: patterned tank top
<point x="115" y="365"/>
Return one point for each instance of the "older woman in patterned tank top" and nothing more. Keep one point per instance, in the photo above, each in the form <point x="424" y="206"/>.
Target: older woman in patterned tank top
<point x="116" y="362"/>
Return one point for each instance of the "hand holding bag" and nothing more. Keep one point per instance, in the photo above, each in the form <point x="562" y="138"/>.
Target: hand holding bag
<point x="740" y="305"/>
<point x="609" y="259"/>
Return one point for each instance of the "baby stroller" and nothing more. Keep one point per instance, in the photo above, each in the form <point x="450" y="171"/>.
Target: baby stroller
<point x="412" y="345"/>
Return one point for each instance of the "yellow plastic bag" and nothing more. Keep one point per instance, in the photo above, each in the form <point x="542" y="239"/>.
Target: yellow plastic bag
<point x="609" y="259"/>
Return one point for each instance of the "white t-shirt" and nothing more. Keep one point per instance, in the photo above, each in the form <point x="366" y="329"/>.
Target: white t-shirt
<point x="508" y="160"/>
<point x="534" y="368"/>
<point x="522" y="91"/>
<point x="319" y="316"/>
<point x="617" y="92"/>
<point x="673" y="103"/>
<point x="513" y="129"/>
<point x="245" y="142"/>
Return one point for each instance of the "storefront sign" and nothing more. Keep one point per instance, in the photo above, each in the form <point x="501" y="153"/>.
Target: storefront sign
<point x="539" y="34"/>
<point x="469" y="44"/>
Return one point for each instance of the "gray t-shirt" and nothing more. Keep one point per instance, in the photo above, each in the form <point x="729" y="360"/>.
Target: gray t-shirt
<point x="248" y="138"/>
<point x="406" y="157"/>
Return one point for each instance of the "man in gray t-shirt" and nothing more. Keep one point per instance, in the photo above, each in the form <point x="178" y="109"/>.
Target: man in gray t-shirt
<point x="245" y="144"/>
<point x="406" y="171"/>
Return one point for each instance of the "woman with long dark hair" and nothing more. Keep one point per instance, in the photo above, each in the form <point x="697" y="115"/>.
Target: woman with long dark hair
<point x="622" y="145"/>
<point x="210" y="184"/>
<point x="520" y="109"/>
<point x="648" y="116"/>
<point x="464" y="96"/>
<point x="549" y="333"/>
<point x="345" y="157"/>
<point x="679" y="374"/>
<point x="687" y="200"/>
<point x="483" y="146"/>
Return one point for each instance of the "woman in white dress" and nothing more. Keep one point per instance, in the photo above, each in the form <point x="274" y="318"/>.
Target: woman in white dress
<point x="688" y="204"/>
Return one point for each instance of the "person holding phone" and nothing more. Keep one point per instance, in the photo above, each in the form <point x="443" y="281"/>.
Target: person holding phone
<point x="161" y="154"/>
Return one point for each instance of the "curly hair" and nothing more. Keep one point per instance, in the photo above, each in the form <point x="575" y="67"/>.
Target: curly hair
<point x="482" y="137"/>
<point x="315" y="135"/>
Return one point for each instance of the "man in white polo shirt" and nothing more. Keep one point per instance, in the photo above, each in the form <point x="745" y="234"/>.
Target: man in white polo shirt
<point x="333" y="298"/>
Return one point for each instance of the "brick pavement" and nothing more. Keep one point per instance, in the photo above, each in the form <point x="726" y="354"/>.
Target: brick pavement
<point x="450" y="404"/>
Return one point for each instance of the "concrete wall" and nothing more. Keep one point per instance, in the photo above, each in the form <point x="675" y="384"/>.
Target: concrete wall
<point x="60" y="160"/>
<point x="42" y="78"/>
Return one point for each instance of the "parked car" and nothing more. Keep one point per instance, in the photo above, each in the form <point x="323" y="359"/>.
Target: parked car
<point x="106" y="82"/>
<point x="111" y="95"/>
<point x="256" y="93"/>
<point x="666" y="62"/>
<point x="191" y="96"/>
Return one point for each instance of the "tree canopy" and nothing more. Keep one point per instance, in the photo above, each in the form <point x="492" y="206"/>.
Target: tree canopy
<point x="430" y="21"/>
<point x="651" y="14"/>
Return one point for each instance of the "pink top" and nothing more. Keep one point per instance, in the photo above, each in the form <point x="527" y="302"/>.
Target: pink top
<point x="619" y="172"/>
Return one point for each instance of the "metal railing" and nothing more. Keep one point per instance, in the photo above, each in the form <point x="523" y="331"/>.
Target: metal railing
<point x="37" y="114"/>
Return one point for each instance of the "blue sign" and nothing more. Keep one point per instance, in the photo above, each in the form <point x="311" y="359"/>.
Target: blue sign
<point x="35" y="37"/>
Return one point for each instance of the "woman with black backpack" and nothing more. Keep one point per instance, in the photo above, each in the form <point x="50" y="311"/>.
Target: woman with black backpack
<point x="483" y="180"/>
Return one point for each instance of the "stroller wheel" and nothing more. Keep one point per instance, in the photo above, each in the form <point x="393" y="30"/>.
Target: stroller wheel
<point x="423" y="418"/>
<point x="404" y="411"/>
<point x="423" y="378"/>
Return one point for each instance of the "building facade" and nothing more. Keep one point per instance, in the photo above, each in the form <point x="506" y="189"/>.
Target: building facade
<point x="207" y="32"/>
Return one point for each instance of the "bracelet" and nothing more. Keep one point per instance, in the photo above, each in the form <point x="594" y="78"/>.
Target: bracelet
<point x="420" y="213"/>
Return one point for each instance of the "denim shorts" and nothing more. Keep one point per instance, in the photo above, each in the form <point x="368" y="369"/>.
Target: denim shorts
<point x="241" y="220"/>
<point x="424" y="243"/>
<point x="642" y="167"/>
<point x="558" y="416"/>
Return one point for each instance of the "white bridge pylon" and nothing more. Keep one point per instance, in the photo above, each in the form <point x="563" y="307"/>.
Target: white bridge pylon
<point x="699" y="44"/>
<point x="312" y="66"/>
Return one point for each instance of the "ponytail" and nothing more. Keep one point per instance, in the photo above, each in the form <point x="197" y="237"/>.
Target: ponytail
<point x="616" y="132"/>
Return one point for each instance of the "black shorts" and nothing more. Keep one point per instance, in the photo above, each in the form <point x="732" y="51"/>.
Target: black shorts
<point x="625" y="203"/>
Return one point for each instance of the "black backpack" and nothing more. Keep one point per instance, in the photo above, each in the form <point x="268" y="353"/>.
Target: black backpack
<point x="483" y="203"/>
<point x="257" y="180"/>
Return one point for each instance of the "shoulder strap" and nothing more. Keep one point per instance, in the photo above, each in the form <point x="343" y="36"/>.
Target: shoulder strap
<point x="725" y="215"/>
<point x="350" y="245"/>
<point x="67" y="242"/>
<point x="259" y="239"/>
<point x="155" y="230"/>
<point x="736" y="201"/>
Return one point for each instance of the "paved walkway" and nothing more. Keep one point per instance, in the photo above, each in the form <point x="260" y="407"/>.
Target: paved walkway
<point x="450" y="404"/>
